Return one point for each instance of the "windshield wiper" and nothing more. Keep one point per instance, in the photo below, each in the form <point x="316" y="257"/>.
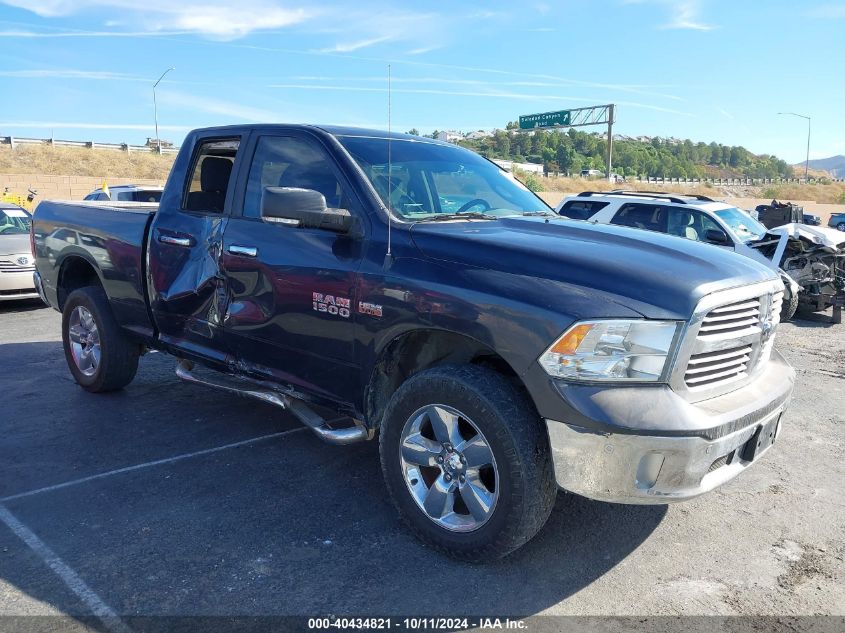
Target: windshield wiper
<point x="443" y="217"/>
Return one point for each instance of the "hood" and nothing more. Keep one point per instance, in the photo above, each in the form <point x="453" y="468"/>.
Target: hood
<point x="657" y="275"/>
<point x="15" y="245"/>
<point x="820" y="235"/>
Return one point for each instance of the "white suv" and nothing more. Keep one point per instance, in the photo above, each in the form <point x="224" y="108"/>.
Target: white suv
<point x="694" y="217"/>
<point x="128" y="193"/>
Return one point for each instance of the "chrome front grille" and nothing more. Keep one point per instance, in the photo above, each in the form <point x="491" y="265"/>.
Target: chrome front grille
<point x="13" y="267"/>
<point x="710" y="367"/>
<point x="734" y="317"/>
<point x="729" y="339"/>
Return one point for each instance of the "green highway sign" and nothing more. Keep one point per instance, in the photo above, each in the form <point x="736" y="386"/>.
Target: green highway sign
<point x="544" y="119"/>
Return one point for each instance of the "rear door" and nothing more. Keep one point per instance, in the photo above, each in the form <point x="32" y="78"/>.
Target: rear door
<point x="187" y="288"/>
<point x="293" y="290"/>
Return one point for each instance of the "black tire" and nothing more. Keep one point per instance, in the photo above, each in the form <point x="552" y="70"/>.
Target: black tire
<point x="118" y="361"/>
<point x="841" y="226"/>
<point x="520" y="447"/>
<point x="789" y="307"/>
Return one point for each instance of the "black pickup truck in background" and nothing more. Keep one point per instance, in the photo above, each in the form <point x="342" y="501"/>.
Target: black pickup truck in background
<point x="417" y="292"/>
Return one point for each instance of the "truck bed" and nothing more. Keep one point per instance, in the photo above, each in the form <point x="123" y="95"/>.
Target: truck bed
<point x="111" y="238"/>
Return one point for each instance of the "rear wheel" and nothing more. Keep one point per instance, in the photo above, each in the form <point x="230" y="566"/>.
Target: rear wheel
<point x="466" y="461"/>
<point x="841" y="226"/>
<point x="99" y="355"/>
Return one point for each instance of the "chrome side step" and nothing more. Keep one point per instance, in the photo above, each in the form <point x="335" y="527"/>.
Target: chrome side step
<point x="300" y="410"/>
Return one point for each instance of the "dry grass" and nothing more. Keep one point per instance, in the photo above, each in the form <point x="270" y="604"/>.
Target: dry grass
<point x="76" y="161"/>
<point x="832" y="193"/>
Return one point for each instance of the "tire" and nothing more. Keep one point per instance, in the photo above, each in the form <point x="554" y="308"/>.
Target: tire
<point x="789" y="307"/>
<point x="519" y="470"/>
<point x="841" y="226"/>
<point x="100" y="356"/>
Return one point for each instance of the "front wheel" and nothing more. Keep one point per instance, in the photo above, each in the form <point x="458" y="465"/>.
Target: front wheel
<point x="98" y="353"/>
<point x="841" y="226"/>
<point x="466" y="461"/>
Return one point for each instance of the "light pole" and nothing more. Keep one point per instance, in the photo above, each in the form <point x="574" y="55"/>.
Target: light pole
<point x="155" y="106"/>
<point x="807" y="163"/>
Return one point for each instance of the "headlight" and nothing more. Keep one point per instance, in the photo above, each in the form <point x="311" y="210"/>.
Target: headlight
<point x="636" y="350"/>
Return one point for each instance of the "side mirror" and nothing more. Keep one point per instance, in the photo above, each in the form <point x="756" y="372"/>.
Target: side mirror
<point x="302" y="208"/>
<point x="715" y="236"/>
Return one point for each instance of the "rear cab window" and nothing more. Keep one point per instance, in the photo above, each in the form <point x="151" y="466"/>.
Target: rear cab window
<point x="210" y="175"/>
<point x="581" y="209"/>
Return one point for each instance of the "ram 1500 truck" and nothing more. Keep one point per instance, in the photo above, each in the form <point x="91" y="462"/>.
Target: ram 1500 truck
<point x="385" y="284"/>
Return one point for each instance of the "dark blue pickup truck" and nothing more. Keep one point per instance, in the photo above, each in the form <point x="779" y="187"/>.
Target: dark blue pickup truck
<point x="375" y="284"/>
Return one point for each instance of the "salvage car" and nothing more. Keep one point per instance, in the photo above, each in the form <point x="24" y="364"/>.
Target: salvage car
<point x="498" y="352"/>
<point x="16" y="262"/>
<point x="694" y="217"/>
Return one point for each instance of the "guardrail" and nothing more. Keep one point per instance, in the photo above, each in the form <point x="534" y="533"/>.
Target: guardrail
<point x="15" y="141"/>
<point x="731" y="181"/>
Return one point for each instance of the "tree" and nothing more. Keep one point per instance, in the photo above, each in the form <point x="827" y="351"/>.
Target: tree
<point x="414" y="131"/>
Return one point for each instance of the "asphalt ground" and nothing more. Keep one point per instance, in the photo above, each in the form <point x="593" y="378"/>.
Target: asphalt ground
<point x="167" y="499"/>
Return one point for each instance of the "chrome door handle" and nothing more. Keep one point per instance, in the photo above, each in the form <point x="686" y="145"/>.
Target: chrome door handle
<point x="245" y="251"/>
<point x="176" y="241"/>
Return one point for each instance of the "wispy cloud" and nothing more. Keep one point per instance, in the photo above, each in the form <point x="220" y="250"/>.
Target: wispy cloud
<point x="224" y="108"/>
<point x="216" y="19"/>
<point x="97" y="75"/>
<point x="828" y="11"/>
<point x="683" y="14"/>
<point x="81" y="125"/>
<point x="348" y="47"/>
<point x="486" y="94"/>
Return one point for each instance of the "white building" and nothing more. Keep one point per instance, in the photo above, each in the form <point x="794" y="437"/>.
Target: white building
<point x="509" y="165"/>
<point x="450" y="137"/>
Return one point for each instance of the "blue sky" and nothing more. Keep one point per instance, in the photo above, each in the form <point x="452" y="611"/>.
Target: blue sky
<point x="701" y="69"/>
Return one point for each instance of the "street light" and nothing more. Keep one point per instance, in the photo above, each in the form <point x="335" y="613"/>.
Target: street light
<point x="806" y="164"/>
<point x="155" y="105"/>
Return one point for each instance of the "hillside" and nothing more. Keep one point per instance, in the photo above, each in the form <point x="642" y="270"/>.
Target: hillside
<point x="78" y="161"/>
<point x="834" y="165"/>
<point x="571" y="151"/>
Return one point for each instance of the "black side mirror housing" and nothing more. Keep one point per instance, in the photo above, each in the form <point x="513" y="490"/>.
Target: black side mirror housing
<point x="714" y="236"/>
<point x="304" y="208"/>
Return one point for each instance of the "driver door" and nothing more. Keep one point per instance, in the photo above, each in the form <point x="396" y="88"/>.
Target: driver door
<point x="292" y="290"/>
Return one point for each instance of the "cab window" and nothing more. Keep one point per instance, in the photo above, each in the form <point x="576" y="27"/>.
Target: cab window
<point x="283" y="161"/>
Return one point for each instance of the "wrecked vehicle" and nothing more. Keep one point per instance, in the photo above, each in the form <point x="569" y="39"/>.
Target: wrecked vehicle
<point x="814" y="257"/>
<point x="385" y="285"/>
<point x="779" y="213"/>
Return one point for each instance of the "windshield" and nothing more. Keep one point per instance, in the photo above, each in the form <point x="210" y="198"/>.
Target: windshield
<point x="743" y="225"/>
<point x="427" y="180"/>
<point x="14" y="222"/>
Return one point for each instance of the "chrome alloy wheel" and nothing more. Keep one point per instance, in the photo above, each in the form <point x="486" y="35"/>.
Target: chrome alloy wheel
<point x="84" y="340"/>
<point x="449" y="468"/>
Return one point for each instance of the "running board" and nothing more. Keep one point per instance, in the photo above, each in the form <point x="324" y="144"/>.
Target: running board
<point x="300" y="410"/>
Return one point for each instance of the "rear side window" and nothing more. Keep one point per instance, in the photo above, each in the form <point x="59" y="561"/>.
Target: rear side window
<point x="211" y="176"/>
<point x="143" y="195"/>
<point x="651" y="217"/>
<point x="581" y="209"/>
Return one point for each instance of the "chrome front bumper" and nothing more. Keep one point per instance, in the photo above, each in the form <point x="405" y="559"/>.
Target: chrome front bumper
<point x="647" y="467"/>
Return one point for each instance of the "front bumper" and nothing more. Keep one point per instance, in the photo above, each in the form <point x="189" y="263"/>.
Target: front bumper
<point x="14" y="286"/>
<point x="648" y="466"/>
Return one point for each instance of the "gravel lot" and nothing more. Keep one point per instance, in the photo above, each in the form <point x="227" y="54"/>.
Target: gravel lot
<point x="173" y="499"/>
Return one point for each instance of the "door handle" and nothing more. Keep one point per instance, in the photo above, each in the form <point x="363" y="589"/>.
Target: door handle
<point x="244" y="251"/>
<point x="176" y="241"/>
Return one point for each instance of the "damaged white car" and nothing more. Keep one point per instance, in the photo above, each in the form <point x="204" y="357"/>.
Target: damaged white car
<point x="813" y="256"/>
<point x="809" y="259"/>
